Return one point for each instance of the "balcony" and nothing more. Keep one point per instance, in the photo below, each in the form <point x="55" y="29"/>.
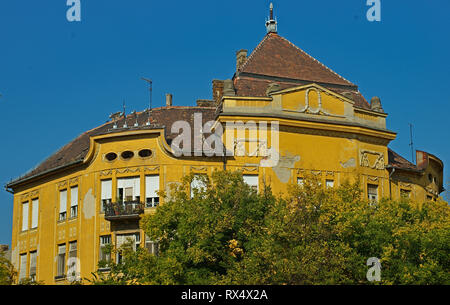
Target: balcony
<point x="129" y="210"/>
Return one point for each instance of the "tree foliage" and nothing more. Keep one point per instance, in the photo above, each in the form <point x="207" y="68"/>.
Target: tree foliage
<point x="7" y="271"/>
<point x="227" y="233"/>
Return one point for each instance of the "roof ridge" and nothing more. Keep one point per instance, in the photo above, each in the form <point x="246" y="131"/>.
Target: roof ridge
<point x="275" y="35"/>
<point x="258" y="47"/>
<point x="317" y="61"/>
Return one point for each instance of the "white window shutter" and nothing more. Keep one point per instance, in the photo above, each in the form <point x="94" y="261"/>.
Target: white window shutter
<point x="24" y="216"/>
<point x="134" y="183"/>
<point x="23" y="266"/>
<point x="33" y="263"/>
<point x="136" y="187"/>
<point x="34" y="213"/>
<point x="106" y="189"/>
<point x="74" y="196"/>
<point x="120" y="183"/>
<point x="63" y="201"/>
<point x="151" y="186"/>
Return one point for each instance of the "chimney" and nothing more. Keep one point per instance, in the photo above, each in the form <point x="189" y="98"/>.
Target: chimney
<point x="228" y="88"/>
<point x="241" y="57"/>
<point x="168" y="100"/>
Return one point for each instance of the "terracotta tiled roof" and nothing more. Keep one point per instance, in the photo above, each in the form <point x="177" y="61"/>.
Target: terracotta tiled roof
<point x="397" y="161"/>
<point x="276" y="56"/>
<point x="77" y="149"/>
<point x="277" y="60"/>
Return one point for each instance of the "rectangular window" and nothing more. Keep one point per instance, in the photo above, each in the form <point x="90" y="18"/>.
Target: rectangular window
<point x="151" y="189"/>
<point x="25" y="216"/>
<point x="33" y="264"/>
<point x="151" y="246"/>
<point x="72" y="262"/>
<point x="252" y="181"/>
<point x="105" y="254"/>
<point x="34" y="213"/>
<point x="197" y="184"/>
<point x="61" y="268"/>
<point x="405" y="193"/>
<point x="23" y="266"/>
<point x="62" y="205"/>
<point x="74" y="202"/>
<point x="329" y="183"/>
<point x="121" y="239"/>
<point x="106" y="195"/>
<point x="372" y="192"/>
<point x="128" y="189"/>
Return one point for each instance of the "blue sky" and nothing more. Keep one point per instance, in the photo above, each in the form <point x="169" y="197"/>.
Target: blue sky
<point x="59" y="79"/>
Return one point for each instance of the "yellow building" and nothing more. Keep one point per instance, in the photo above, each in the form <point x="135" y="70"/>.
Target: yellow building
<point x="94" y="190"/>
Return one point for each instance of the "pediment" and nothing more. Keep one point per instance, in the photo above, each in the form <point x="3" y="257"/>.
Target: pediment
<point x="312" y="99"/>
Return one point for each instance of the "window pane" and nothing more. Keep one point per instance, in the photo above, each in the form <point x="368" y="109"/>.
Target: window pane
<point x="34" y="213"/>
<point x="197" y="184"/>
<point x="252" y="180"/>
<point x="25" y="216"/>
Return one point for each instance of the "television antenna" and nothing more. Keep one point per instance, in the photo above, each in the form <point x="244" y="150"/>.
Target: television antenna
<point x="150" y="88"/>
<point x="411" y="143"/>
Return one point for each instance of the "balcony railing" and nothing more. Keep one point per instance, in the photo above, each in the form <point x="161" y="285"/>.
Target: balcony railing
<point x="123" y="210"/>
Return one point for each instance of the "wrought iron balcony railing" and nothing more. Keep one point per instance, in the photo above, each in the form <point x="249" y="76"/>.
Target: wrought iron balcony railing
<point x="123" y="210"/>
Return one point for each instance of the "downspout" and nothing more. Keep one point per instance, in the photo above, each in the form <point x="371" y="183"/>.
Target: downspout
<point x="390" y="180"/>
<point x="224" y="158"/>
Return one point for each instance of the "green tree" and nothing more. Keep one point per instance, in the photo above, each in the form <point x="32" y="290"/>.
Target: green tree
<point x="7" y="271"/>
<point x="227" y="233"/>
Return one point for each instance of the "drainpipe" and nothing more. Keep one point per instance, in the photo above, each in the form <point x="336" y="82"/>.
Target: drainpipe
<point x="390" y="176"/>
<point x="224" y="158"/>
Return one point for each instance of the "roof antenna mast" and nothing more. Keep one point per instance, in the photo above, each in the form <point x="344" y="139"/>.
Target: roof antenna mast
<point x="411" y="144"/>
<point x="150" y="87"/>
<point x="124" y="116"/>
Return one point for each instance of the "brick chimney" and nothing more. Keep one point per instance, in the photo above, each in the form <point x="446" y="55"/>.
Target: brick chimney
<point x="168" y="100"/>
<point x="241" y="57"/>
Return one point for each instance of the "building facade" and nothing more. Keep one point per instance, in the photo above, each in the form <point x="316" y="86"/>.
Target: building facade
<point x="93" y="191"/>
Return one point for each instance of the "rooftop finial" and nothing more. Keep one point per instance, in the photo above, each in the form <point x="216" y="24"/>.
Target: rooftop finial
<point x="271" y="24"/>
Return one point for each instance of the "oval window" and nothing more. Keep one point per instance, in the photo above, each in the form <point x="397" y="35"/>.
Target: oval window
<point x="111" y="156"/>
<point x="145" y="153"/>
<point x="127" y="155"/>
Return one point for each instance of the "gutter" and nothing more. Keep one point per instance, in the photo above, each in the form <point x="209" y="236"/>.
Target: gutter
<point x="390" y="181"/>
<point x="20" y="181"/>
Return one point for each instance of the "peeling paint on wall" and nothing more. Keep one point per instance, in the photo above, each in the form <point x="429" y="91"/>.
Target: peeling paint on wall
<point x="350" y="163"/>
<point x="283" y="169"/>
<point x="89" y="205"/>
